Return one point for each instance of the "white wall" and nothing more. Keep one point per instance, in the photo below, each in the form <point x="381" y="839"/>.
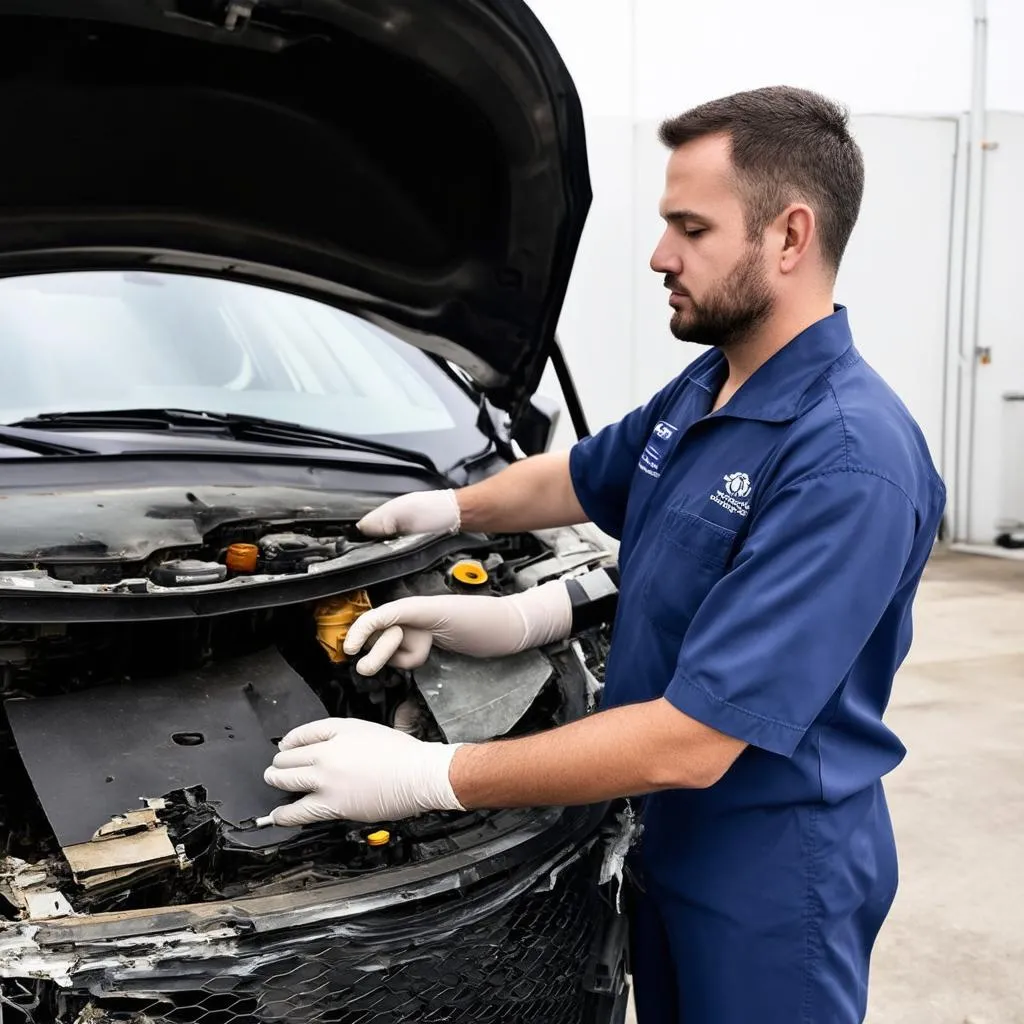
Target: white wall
<point x="1005" y="87"/>
<point x="877" y="56"/>
<point x="650" y="58"/>
<point x="994" y="489"/>
<point x="895" y="276"/>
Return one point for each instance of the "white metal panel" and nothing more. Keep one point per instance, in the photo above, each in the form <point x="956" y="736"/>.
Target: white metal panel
<point x="1005" y="87"/>
<point x="895" y="276"/>
<point x="999" y="327"/>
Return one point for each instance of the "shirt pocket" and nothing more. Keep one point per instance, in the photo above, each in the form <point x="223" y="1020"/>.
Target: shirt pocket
<point x="688" y="557"/>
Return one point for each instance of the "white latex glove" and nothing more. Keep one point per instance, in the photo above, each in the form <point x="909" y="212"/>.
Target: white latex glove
<point x="359" y="771"/>
<point x="418" y="512"/>
<point x="485" y="627"/>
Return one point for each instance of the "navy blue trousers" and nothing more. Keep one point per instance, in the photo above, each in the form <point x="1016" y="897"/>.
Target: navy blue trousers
<point x="766" y="917"/>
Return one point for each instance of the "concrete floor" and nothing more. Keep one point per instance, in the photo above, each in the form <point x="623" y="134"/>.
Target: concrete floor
<point x="952" y="950"/>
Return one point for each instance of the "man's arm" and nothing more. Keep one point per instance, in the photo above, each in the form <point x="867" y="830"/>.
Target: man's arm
<point x="536" y="493"/>
<point x="589" y="483"/>
<point x="361" y="771"/>
<point x="627" y="751"/>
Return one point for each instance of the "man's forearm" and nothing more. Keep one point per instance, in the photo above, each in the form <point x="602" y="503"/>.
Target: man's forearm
<point x="533" y="494"/>
<point x="629" y="751"/>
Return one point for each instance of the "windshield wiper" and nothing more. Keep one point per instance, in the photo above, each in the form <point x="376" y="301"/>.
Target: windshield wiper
<point x="29" y="441"/>
<point x="237" y="427"/>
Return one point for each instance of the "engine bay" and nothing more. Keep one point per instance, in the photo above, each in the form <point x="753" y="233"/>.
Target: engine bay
<point x="132" y="752"/>
<point x="238" y="549"/>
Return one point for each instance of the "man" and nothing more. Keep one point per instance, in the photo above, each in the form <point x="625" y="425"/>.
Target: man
<point x="776" y="505"/>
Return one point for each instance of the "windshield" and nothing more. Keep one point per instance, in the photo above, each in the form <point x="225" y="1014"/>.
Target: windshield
<point x="105" y="340"/>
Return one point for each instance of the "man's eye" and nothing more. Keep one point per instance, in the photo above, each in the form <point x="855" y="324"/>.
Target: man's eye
<point x="694" y="232"/>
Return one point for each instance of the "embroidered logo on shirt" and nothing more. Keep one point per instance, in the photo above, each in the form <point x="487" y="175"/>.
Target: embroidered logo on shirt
<point x="737" y="487"/>
<point x="654" y="450"/>
<point x="737" y="484"/>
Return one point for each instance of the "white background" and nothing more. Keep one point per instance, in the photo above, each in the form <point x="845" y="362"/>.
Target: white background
<point x="903" y="67"/>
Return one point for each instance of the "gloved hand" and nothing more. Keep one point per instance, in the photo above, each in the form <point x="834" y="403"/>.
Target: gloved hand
<point x="418" y="512"/>
<point x="361" y="772"/>
<point x="481" y="626"/>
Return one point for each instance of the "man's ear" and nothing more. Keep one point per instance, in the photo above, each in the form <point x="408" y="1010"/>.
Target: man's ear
<point x="799" y="228"/>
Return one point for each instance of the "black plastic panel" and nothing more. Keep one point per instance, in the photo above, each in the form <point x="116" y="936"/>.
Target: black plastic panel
<point x="98" y="753"/>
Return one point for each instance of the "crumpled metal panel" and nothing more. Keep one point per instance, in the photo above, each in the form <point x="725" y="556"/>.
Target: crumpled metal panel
<point x="512" y="951"/>
<point x="476" y="699"/>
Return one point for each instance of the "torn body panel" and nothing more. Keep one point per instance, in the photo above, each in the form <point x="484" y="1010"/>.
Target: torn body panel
<point x="130" y="844"/>
<point x="31" y="890"/>
<point x="476" y="699"/>
<point x="507" y="930"/>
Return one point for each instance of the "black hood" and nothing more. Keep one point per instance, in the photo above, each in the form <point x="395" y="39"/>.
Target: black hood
<point x="422" y="162"/>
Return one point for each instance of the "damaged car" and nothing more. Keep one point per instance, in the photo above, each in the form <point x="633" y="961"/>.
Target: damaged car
<point x="263" y="266"/>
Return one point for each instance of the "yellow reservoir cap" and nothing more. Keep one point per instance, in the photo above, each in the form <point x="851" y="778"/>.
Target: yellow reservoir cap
<point x="471" y="573"/>
<point x="381" y="838"/>
<point x="334" y="618"/>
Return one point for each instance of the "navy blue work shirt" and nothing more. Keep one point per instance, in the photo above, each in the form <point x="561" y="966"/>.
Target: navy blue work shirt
<point x="770" y="552"/>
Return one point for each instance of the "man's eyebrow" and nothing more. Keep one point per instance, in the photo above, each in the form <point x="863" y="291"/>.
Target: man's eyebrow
<point x="675" y="216"/>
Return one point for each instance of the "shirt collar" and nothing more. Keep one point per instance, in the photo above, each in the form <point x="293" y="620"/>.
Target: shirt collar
<point x="775" y="391"/>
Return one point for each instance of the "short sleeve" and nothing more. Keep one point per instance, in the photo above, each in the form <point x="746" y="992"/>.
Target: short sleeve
<point x="776" y="636"/>
<point x="602" y="466"/>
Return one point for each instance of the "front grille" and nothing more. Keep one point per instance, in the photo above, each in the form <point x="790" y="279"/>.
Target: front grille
<point x="471" y="958"/>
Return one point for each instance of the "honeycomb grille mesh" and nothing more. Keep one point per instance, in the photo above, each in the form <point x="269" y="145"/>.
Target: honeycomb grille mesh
<point x="523" y="962"/>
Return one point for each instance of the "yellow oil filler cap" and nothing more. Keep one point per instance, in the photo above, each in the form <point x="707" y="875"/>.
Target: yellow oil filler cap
<point x="334" y="618"/>
<point x="379" y="838"/>
<point x="469" y="573"/>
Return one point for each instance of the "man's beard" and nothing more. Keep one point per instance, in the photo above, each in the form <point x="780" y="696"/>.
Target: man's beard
<point x="731" y="311"/>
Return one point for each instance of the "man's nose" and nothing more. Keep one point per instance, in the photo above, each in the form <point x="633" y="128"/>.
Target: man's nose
<point x="664" y="261"/>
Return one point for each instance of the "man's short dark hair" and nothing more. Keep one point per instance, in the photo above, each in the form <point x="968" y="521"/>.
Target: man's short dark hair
<point x="788" y="145"/>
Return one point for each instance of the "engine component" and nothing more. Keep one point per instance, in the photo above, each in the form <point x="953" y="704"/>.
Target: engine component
<point x="468" y="572"/>
<point x="242" y="558"/>
<point x="412" y="716"/>
<point x="571" y="551"/>
<point x="379" y="838"/>
<point x="295" y="552"/>
<point x="594" y="597"/>
<point x="188" y="572"/>
<point x="334" y="618"/>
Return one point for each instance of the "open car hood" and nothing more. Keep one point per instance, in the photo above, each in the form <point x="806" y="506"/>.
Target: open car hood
<point x="421" y="162"/>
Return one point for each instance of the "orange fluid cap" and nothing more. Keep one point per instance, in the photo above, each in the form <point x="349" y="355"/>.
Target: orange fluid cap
<point x="242" y="557"/>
